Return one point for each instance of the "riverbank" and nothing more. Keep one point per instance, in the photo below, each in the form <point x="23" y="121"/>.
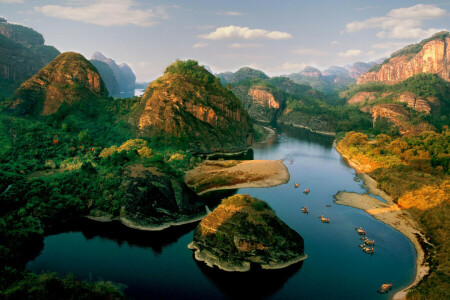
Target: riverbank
<point x="232" y="174"/>
<point x="389" y="213"/>
<point x="329" y="133"/>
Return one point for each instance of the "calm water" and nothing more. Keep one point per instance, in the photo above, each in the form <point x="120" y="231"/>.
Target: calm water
<point x="159" y="265"/>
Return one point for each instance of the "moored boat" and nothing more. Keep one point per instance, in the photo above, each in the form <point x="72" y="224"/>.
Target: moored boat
<point x="384" y="288"/>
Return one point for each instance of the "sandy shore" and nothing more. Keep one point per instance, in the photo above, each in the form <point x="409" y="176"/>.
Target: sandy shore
<point x="232" y="174"/>
<point x="391" y="214"/>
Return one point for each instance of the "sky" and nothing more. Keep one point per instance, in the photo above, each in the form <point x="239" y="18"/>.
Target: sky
<point x="276" y="36"/>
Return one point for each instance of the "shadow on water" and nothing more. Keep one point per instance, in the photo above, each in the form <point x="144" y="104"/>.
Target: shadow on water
<point x="306" y="135"/>
<point x="255" y="284"/>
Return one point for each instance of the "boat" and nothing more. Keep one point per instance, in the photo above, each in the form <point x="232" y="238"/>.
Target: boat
<point x="384" y="288"/>
<point x="368" y="250"/>
<point x="296" y="185"/>
<point x="292" y="162"/>
<point x="305" y="210"/>
<point x="306" y="191"/>
<point x="369" y="242"/>
<point x="324" y="220"/>
<point x="360" y="231"/>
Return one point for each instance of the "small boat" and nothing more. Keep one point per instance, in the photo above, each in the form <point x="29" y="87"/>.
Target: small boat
<point x="306" y="191"/>
<point x="368" y="250"/>
<point x="305" y="210"/>
<point x="384" y="288"/>
<point x="296" y="185"/>
<point x="360" y="231"/>
<point x="369" y="242"/>
<point x="292" y="162"/>
<point x="324" y="220"/>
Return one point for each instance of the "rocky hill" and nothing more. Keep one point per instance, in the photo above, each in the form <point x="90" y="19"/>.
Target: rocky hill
<point x="68" y="79"/>
<point x="123" y="74"/>
<point x="22" y="55"/>
<point x="189" y="102"/>
<point x="242" y="74"/>
<point x="243" y="231"/>
<point x="108" y="77"/>
<point x="431" y="55"/>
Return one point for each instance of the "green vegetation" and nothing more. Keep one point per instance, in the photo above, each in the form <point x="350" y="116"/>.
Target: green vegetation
<point x="414" y="170"/>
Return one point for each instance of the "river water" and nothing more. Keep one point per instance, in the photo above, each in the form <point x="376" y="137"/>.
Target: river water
<point x="159" y="265"/>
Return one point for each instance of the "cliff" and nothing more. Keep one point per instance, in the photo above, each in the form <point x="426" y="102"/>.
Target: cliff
<point x="123" y="75"/>
<point x="429" y="56"/>
<point x="189" y="102"/>
<point x="22" y="55"/>
<point x="108" y="77"/>
<point x="68" y="79"/>
<point x="243" y="231"/>
<point x="262" y="103"/>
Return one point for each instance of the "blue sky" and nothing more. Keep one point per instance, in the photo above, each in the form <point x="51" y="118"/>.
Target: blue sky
<point x="278" y="37"/>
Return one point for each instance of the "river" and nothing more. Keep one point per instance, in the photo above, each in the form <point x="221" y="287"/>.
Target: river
<point x="159" y="265"/>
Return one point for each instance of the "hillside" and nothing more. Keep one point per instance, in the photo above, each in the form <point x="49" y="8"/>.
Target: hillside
<point x="68" y="79"/>
<point x="431" y="55"/>
<point x="188" y="102"/>
<point x="22" y="55"/>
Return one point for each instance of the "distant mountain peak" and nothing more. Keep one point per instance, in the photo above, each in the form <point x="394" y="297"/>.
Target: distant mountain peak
<point x="99" y="56"/>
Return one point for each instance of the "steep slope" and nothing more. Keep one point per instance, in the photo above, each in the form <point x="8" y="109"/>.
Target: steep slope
<point x="242" y="74"/>
<point x="22" y="55"/>
<point x="189" y="102"/>
<point x="429" y="56"/>
<point x="108" y="77"/>
<point x="123" y="74"/>
<point x="68" y="79"/>
<point x="243" y="231"/>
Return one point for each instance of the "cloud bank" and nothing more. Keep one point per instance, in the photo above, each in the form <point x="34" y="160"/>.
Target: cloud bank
<point x="237" y="32"/>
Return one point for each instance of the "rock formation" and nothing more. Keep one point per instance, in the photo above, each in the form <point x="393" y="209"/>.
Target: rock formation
<point x="188" y="101"/>
<point x="22" y="55"/>
<point x="434" y="57"/>
<point x="68" y="79"/>
<point x="123" y="74"/>
<point x="108" y="77"/>
<point x="244" y="231"/>
<point x="261" y="104"/>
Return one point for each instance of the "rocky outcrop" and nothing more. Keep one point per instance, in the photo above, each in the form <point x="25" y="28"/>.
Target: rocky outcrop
<point x="123" y="74"/>
<point x="189" y="102"/>
<point x="434" y="58"/>
<point x="68" y="79"/>
<point x="415" y="102"/>
<point x="394" y="113"/>
<point x="108" y="77"/>
<point x="363" y="97"/>
<point x="22" y="55"/>
<point x="262" y="103"/>
<point x="244" y="231"/>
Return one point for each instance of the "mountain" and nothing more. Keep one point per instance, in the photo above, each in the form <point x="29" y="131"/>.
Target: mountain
<point x="431" y="55"/>
<point x="189" y="102"/>
<point x="68" y="79"/>
<point x="108" y="77"/>
<point x="244" y="231"/>
<point x="22" y="55"/>
<point x="359" y="68"/>
<point x="123" y="75"/>
<point x="242" y="74"/>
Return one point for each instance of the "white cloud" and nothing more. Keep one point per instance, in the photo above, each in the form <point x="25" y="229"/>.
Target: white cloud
<point x="310" y="52"/>
<point x="230" y="13"/>
<point x="401" y="23"/>
<point x="200" y="45"/>
<point x="106" y="13"/>
<point x="245" y="33"/>
<point x="350" y="53"/>
<point x="240" y="46"/>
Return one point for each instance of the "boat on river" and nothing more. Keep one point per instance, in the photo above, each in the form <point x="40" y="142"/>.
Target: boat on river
<point x="367" y="249"/>
<point x="324" y="220"/>
<point x="306" y="191"/>
<point x="296" y="185"/>
<point x="360" y="231"/>
<point x="305" y="210"/>
<point x="384" y="288"/>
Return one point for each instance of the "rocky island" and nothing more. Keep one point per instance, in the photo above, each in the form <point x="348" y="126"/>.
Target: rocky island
<point x="243" y="232"/>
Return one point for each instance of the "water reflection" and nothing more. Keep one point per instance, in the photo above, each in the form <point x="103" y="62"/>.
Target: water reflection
<point x="255" y="284"/>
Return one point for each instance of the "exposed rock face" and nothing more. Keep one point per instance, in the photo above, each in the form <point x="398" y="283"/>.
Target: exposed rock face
<point x="22" y="55"/>
<point x="362" y="97"/>
<point x="262" y="104"/>
<point x="123" y="74"/>
<point x="414" y="102"/>
<point x="68" y="79"/>
<point x="358" y="68"/>
<point x="433" y="58"/>
<point x="244" y="231"/>
<point x="189" y="101"/>
<point x="263" y="97"/>
<point x="394" y="113"/>
<point x="155" y="201"/>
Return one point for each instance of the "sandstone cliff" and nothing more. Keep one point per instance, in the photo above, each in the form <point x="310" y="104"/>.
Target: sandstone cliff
<point x="243" y="231"/>
<point x="188" y="101"/>
<point x="68" y="79"/>
<point x="433" y="57"/>
<point x="22" y="55"/>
